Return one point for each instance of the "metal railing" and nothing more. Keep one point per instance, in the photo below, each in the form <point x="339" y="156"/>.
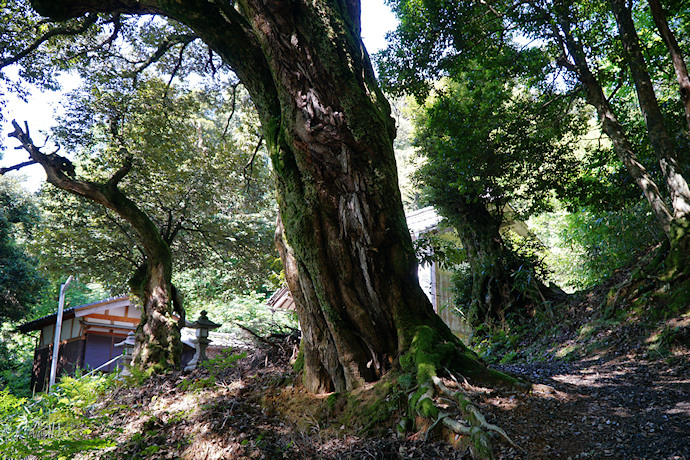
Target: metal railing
<point x="103" y="365"/>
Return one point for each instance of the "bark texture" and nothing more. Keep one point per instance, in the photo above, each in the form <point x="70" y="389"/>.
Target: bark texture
<point x="676" y="55"/>
<point x="158" y="345"/>
<point x="656" y="129"/>
<point x="492" y="293"/>
<point x="344" y="241"/>
<point x="343" y="237"/>
<point x="594" y="95"/>
<point x="497" y="287"/>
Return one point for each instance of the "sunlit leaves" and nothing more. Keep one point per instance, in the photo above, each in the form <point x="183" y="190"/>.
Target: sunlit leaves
<point x="190" y="175"/>
<point x="495" y="143"/>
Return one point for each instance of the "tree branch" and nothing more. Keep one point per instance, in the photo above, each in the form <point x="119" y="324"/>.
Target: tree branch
<point x="219" y="24"/>
<point x="17" y="167"/>
<point x="59" y="31"/>
<point x="61" y="174"/>
<point x="117" y="26"/>
<point x="175" y="230"/>
<point x="232" y="109"/>
<point x="178" y="64"/>
<point x="206" y="239"/>
<point x="163" y="47"/>
<point x="122" y="172"/>
<point x="250" y="164"/>
<point x="125" y="232"/>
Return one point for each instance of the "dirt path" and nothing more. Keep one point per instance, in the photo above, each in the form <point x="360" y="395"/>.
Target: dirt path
<point x="600" y="407"/>
<point x="622" y="407"/>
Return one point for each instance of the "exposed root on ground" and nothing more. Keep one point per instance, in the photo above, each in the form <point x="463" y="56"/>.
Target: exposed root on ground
<point x="430" y="356"/>
<point x="470" y="409"/>
<point x="470" y="424"/>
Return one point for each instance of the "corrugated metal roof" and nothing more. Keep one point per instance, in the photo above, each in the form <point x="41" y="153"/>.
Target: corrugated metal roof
<point x="422" y="220"/>
<point x="282" y="300"/>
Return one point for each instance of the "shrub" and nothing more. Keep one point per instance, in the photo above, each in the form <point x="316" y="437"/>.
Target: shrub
<point x="587" y="247"/>
<point x="54" y="425"/>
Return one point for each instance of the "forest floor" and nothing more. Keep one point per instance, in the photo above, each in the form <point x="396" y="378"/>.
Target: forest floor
<point x="600" y="390"/>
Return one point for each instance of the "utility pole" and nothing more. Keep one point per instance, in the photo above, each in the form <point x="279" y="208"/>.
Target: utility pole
<point x="58" y="331"/>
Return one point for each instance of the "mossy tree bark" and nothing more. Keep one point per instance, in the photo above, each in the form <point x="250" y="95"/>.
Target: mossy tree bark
<point x="660" y="139"/>
<point x="158" y="345"/>
<point x="343" y="237"/>
<point x="496" y="289"/>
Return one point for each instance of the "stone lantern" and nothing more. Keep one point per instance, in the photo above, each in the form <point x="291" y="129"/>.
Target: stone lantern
<point x="127" y="347"/>
<point x="203" y="325"/>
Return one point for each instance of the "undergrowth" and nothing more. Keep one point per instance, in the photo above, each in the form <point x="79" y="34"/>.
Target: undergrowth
<point x="628" y="313"/>
<point x="54" y="425"/>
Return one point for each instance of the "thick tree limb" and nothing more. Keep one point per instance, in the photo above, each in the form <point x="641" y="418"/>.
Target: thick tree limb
<point x="60" y="173"/>
<point x="122" y="172"/>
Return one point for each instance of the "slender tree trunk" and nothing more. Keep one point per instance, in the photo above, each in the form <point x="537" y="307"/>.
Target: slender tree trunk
<point x="344" y="241"/>
<point x="594" y="95"/>
<point x="658" y="135"/>
<point x="158" y="345"/>
<point x="676" y="55"/>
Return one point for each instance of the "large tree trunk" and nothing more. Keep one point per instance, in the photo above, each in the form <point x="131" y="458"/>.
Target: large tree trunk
<point x="492" y="288"/>
<point x="347" y="251"/>
<point x="346" y="247"/>
<point x="158" y="345"/>
<point x="497" y="287"/>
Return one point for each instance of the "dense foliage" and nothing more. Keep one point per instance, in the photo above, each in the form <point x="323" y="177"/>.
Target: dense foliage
<point x="201" y="177"/>
<point x="489" y="141"/>
<point x="53" y="425"/>
<point x="20" y="280"/>
<point x="505" y="122"/>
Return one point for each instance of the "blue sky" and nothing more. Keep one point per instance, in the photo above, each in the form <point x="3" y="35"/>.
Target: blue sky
<point x="40" y="110"/>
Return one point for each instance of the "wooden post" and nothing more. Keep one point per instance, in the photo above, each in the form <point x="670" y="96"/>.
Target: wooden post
<point x="58" y="331"/>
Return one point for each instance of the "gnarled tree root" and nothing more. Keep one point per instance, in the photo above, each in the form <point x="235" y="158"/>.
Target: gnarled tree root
<point x="470" y="408"/>
<point x="430" y="355"/>
<point x="474" y="424"/>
